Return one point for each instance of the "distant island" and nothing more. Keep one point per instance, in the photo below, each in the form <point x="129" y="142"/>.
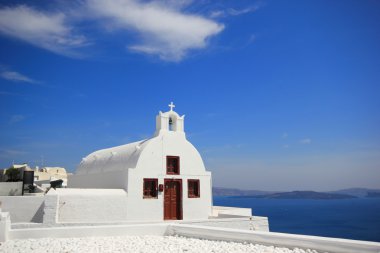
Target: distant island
<point x="340" y="194"/>
<point x="373" y="194"/>
<point x="301" y="195"/>
<point x="221" y="191"/>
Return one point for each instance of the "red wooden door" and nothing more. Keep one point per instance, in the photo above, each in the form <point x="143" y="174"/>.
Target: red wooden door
<point x="173" y="199"/>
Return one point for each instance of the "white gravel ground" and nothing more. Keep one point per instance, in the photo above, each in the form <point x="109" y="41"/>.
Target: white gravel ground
<point x="137" y="244"/>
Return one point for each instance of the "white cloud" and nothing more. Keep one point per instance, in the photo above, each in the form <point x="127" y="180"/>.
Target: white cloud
<point x="162" y="29"/>
<point x="217" y="14"/>
<point x="232" y="12"/>
<point x="16" y="77"/>
<point x="285" y="135"/>
<point x="16" y="118"/>
<point x="45" y="30"/>
<point x="305" y="141"/>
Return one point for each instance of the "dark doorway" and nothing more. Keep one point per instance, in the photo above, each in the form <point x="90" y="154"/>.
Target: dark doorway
<point x="173" y="199"/>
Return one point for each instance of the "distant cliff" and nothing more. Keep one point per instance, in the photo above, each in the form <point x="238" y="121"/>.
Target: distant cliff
<point x="373" y="194"/>
<point x="358" y="192"/>
<point x="340" y="194"/>
<point x="306" y="195"/>
<point x="221" y="191"/>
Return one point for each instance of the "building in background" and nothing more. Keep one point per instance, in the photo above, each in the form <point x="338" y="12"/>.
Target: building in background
<point x="14" y="173"/>
<point x="43" y="176"/>
<point x="12" y="179"/>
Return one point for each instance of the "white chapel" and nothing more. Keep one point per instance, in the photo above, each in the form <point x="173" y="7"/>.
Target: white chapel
<point x="164" y="177"/>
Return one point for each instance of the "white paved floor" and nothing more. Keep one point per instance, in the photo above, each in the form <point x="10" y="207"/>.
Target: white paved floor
<point x="137" y="244"/>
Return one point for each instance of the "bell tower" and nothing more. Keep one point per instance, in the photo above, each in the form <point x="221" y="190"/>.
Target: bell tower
<point x="169" y="122"/>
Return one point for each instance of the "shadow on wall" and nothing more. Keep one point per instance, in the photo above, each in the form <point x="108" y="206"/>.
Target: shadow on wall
<point x="38" y="216"/>
<point x="14" y="192"/>
<point x="10" y="188"/>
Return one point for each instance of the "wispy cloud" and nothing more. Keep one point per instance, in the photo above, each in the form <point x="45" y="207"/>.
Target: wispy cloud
<point x="42" y="29"/>
<point x="232" y="12"/>
<point x="6" y="93"/>
<point x="16" y="118"/>
<point x="16" y="76"/>
<point x="11" y="153"/>
<point x="163" y="30"/>
<point x="252" y="38"/>
<point x="305" y="141"/>
<point x="285" y="135"/>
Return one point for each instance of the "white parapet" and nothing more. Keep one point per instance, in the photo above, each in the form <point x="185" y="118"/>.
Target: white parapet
<point x="50" y="208"/>
<point x="217" y="210"/>
<point x="89" y="231"/>
<point x="23" y="209"/>
<point x="323" y="244"/>
<point x="5" y="225"/>
<point x="291" y="241"/>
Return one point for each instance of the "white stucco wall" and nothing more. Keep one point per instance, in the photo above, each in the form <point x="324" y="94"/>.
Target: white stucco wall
<point x="321" y="244"/>
<point x="10" y="188"/>
<point x="256" y="223"/>
<point x="106" y="180"/>
<point x="218" y="210"/>
<point x="23" y="208"/>
<point x="153" y="209"/>
<point x="152" y="164"/>
<point x="85" y="231"/>
<point x="92" y="205"/>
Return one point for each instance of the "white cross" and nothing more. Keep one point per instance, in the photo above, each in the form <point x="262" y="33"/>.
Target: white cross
<point x="171" y="106"/>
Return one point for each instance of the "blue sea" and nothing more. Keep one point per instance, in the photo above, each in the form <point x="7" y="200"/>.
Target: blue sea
<point x="357" y="219"/>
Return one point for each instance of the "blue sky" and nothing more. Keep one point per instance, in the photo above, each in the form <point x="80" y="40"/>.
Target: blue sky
<point x="278" y="95"/>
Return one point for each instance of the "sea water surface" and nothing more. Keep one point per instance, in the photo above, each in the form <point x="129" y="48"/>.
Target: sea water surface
<point x="357" y="219"/>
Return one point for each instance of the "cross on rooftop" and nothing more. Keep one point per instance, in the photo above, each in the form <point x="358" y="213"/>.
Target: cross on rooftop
<point x="171" y="105"/>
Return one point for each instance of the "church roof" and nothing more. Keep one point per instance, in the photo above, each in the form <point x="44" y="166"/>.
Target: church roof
<point x="112" y="159"/>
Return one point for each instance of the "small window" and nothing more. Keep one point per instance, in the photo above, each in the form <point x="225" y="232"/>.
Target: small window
<point x="193" y="188"/>
<point x="150" y="188"/>
<point x="172" y="165"/>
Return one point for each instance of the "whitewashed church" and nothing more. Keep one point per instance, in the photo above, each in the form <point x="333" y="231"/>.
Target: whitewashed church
<point x="164" y="177"/>
<point x="151" y="181"/>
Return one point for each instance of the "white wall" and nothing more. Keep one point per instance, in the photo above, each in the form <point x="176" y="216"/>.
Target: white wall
<point x="256" y="223"/>
<point x="217" y="210"/>
<point x="92" y="205"/>
<point x="85" y="231"/>
<point x="106" y="180"/>
<point x="10" y="188"/>
<point x="321" y="244"/>
<point x="152" y="164"/>
<point x="23" y="208"/>
<point x="153" y="209"/>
